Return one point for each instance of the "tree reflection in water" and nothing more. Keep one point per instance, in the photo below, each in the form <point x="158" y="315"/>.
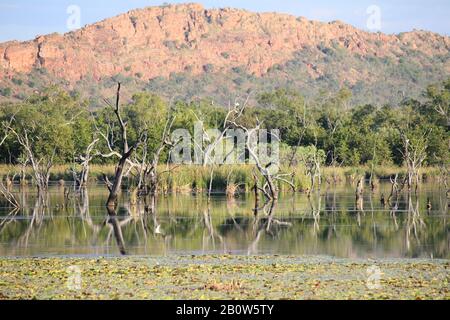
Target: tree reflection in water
<point x="76" y="222"/>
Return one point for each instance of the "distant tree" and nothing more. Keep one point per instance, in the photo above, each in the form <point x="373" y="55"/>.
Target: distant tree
<point x="43" y="130"/>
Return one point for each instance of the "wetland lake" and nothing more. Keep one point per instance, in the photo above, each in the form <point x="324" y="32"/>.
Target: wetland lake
<point x="329" y="223"/>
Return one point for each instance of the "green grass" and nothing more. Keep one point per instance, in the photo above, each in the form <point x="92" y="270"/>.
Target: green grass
<point x="190" y="178"/>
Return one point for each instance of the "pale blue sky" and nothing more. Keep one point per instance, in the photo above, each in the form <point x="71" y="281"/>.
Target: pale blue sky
<point x="24" y="19"/>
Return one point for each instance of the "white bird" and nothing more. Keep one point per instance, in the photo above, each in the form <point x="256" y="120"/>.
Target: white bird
<point x="158" y="229"/>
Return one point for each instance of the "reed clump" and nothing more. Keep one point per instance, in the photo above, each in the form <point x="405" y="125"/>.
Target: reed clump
<point x="229" y="179"/>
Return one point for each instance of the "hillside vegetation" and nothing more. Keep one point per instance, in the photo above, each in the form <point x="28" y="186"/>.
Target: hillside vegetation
<point x="60" y="126"/>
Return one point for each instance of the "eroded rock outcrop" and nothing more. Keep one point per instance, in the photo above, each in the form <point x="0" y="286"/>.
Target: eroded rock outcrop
<point x="157" y="41"/>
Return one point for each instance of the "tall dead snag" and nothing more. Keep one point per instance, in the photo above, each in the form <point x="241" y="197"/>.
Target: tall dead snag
<point x="394" y="188"/>
<point x="312" y="160"/>
<point x="41" y="167"/>
<point x="81" y="178"/>
<point x="22" y="161"/>
<point x="5" y="190"/>
<point x="126" y="152"/>
<point x="255" y="191"/>
<point x="270" y="189"/>
<point x="372" y="170"/>
<point x="148" y="173"/>
<point x="444" y="171"/>
<point x="209" y="142"/>
<point x="359" y="194"/>
<point x="143" y="165"/>
<point x="414" y="155"/>
<point x="269" y="171"/>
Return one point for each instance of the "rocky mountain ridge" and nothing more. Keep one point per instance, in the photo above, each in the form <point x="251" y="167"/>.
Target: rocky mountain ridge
<point x="159" y="43"/>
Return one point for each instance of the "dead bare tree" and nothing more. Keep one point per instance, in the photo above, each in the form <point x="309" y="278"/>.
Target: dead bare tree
<point x="394" y="187"/>
<point x="125" y="154"/>
<point x="295" y="149"/>
<point x="23" y="161"/>
<point x="372" y="170"/>
<point x="209" y="143"/>
<point x="9" y="195"/>
<point x="81" y="178"/>
<point x="444" y="170"/>
<point x="6" y="125"/>
<point x="312" y="162"/>
<point x="255" y="191"/>
<point x="231" y="120"/>
<point x="335" y="164"/>
<point x="40" y="165"/>
<point x="5" y="190"/>
<point x="414" y="154"/>
<point x="270" y="189"/>
<point x="143" y="166"/>
<point x="234" y="113"/>
<point x="304" y="123"/>
<point x="270" y="171"/>
<point x="148" y="172"/>
<point x="359" y="194"/>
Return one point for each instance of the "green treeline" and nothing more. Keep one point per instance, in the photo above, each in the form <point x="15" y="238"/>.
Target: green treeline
<point x="60" y="125"/>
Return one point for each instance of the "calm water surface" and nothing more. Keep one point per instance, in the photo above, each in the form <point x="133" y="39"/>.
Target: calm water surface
<point x="328" y="224"/>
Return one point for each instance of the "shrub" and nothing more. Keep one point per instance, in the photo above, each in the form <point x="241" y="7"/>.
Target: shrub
<point x="133" y="20"/>
<point x="21" y="96"/>
<point x="16" y="81"/>
<point x="239" y="81"/>
<point x="6" y="92"/>
<point x="170" y="44"/>
<point x="208" y="68"/>
<point x="238" y="70"/>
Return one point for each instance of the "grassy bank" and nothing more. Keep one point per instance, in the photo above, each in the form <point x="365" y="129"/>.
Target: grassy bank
<point x="222" y="277"/>
<point x="190" y="178"/>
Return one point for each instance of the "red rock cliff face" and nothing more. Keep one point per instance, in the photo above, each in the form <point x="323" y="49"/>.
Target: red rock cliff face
<point x="157" y="41"/>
